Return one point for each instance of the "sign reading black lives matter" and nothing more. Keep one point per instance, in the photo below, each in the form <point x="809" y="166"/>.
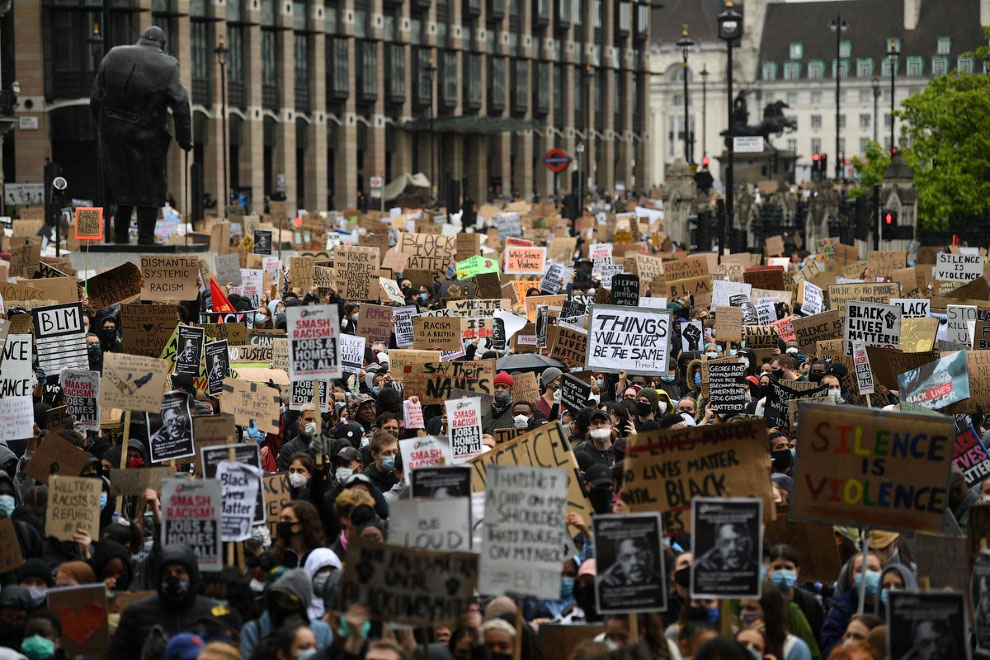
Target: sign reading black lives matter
<point x="873" y="324"/>
<point x="727" y="386"/>
<point x="727" y="547"/>
<point x="189" y="350"/>
<point x="631" y="575"/>
<point x="926" y="624"/>
<point x="217" y="365"/>
<point x="263" y="241"/>
<point x="82" y="393"/>
<point x="172" y="437"/>
<point x="313" y="351"/>
<point x="191" y="517"/>
<point x="247" y="453"/>
<point x="574" y="393"/>
<point x="60" y="337"/>
<point x="631" y="339"/>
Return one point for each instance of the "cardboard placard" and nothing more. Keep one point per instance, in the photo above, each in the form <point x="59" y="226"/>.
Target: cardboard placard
<point x="145" y="329"/>
<point x="872" y="324"/>
<point x="55" y="455"/>
<point x="906" y="458"/>
<point x="813" y="543"/>
<point x="434" y="382"/>
<point x="133" y="382"/>
<point x="235" y="334"/>
<point x="429" y="252"/>
<point x="879" y="293"/>
<point x="88" y="225"/>
<point x="169" y="277"/>
<point x="210" y="430"/>
<point x="809" y="330"/>
<point x="356" y="272"/>
<point x="570" y="346"/>
<point x="883" y="263"/>
<point x="765" y="277"/>
<point x="135" y="482"/>
<point x="436" y="333"/>
<point x="668" y="468"/>
<point x="375" y="323"/>
<point x="82" y="610"/>
<point x="73" y="504"/>
<point x="728" y="323"/>
<point x="521" y="260"/>
<point x="114" y="285"/>
<point x="10" y="549"/>
<point x="60" y="337"/>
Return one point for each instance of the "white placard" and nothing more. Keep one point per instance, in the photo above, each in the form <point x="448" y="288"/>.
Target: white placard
<point x="631" y="339"/>
<point x="873" y="324"/>
<point x="191" y="517"/>
<point x="313" y="350"/>
<point x="864" y="373"/>
<point x="431" y="524"/>
<point x="464" y="424"/>
<point x="913" y="308"/>
<point x="957" y="267"/>
<point x="812" y="301"/>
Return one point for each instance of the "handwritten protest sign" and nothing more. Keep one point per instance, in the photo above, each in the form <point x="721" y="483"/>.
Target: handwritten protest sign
<point x="667" y="468"/>
<point x="882" y="469"/>
<point x="191" y="517"/>
<point x="431" y="524"/>
<point x="726" y="385"/>
<point x="437" y="333"/>
<point x="633" y="339"/>
<point x="429" y="252"/>
<point x="525" y="260"/>
<point x="464" y="424"/>
<point x="779" y="396"/>
<point x="839" y="294"/>
<point x="16" y="417"/>
<point x="434" y="382"/>
<point x="55" y="455"/>
<point x="88" y="223"/>
<point x="133" y="382"/>
<point x="240" y="484"/>
<point x="114" y="285"/>
<point x="312" y="334"/>
<point x="16" y="374"/>
<point x="809" y="330"/>
<point x="251" y="401"/>
<point x="134" y="482"/>
<point x="407" y="585"/>
<point x="169" y="277"/>
<point x="375" y="323"/>
<point x="73" y="503"/>
<point x="957" y="267"/>
<point x="82" y="391"/>
<point x="913" y="307"/>
<point x="872" y="324"/>
<point x="145" y="329"/>
<point x="971" y="457"/>
<point x="82" y="611"/>
<point x="524" y="532"/>
<point x="356" y="272"/>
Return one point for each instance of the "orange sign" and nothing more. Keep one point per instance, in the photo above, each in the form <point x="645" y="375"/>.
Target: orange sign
<point x="89" y="223"/>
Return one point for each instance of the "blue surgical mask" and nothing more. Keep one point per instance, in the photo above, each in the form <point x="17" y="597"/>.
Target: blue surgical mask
<point x="884" y="596"/>
<point x="376" y="390"/>
<point x="732" y="352"/>
<point x="423" y="297"/>
<point x="103" y="501"/>
<point x="566" y="587"/>
<point x="306" y="654"/>
<point x="260" y="318"/>
<point x="713" y="616"/>
<point x="872" y="582"/>
<point x="697" y="378"/>
<point x="600" y="382"/>
<point x="37" y="647"/>
<point x="388" y="462"/>
<point x="784" y="579"/>
<point x="6" y="505"/>
<point x="763" y="572"/>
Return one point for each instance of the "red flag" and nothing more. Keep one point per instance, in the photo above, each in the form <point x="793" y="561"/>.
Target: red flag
<point x="220" y="303"/>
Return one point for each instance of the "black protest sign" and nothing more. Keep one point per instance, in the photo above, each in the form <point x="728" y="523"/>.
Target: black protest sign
<point x="574" y="393"/>
<point x="190" y="351"/>
<point x="245" y="452"/>
<point x="217" y="365"/>
<point x="262" y="241"/>
<point x="778" y="396"/>
<point x="625" y="290"/>
<point x="582" y="275"/>
<point x="542" y="321"/>
<point x="172" y="438"/>
<point x="191" y="517"/>
<point x="726" y="386"/>
<point x="441" y="482"/>
<point x="52" y="391"/>
<point x="727" y="547"/>
<point x="498" y="334"/>
<point x="928" y="624"/>
<point x="631" y="575"/>
<point x="60" y="337"/>
<point x="573" y="308"/>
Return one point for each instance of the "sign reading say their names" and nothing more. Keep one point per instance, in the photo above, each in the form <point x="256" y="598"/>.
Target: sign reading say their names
<point x="882" y="469"/>
<point x="631" y="339"/>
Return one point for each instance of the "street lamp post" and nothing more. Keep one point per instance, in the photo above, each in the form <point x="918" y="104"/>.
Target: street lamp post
<point x="729" y="30"/>
<point x="221" y="52"/>
<point x="588" y="75"/>
<point x="838" y="25"/>
<point x="685" y="44"/>
<point x="96" y="49"/>
<point x="876" y="100"/>
<point x="892" y="54"/>
<point x="704" y="110"/>
<point x="431" y="69"/>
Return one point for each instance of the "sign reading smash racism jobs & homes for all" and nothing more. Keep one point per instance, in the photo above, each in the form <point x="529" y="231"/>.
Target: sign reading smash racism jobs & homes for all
<point x="313" y="351"/>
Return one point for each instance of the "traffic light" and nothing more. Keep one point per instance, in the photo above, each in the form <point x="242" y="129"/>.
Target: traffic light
<point x="816" y="173"/>
<point x="823" y="167"/>
<point x="704" y="162"/>
<point x="889" y="219"/>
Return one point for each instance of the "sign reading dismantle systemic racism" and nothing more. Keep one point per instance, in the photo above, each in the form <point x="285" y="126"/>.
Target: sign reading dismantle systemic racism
<point x="169" y="277"/>
<point x="631" y="339"/>
<point x="666" y="469"/>
<point x="881" y="469"/>
<point x="313" y="351"/>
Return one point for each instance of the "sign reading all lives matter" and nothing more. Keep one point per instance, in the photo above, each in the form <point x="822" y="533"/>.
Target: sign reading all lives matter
<point x="313" y="351"/>
<point x="191" y="517"/>
<point x="464" y="422"/>
<point x="523" y="532"/>
<point x="631" y="339"/>
<point x="60" y="337"/>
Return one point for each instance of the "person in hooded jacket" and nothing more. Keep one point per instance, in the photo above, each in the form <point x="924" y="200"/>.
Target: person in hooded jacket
<point x="27" y="536"/>
<point x="112" y="564"/>
<point x="290" y="595"/>
<point x="176" y="607"/>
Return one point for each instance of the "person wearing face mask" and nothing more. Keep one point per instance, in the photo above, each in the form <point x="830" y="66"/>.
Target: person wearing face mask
<point x="303" y="436"/>
<point x="27" y="536"/>
<point x="550" y="383"/>
<point x="289" y="597"/>
<point x="499" y="415"/>
<point x="109" y="342"/>
<point x="784" y="367"/>
<point x="817" y="370"/>
<point x="895" y="576"/>
<point x="600" y="487"/>
<point x="301" y="469"/>
<point x="381" y="471"/>
<point x="543" y="608"/>
<point x="36" y="576"/>
<point x="650" y="406"/>
<point x="784" y="570"/>
<point x="694" y="378"/>
<point x="94" y="353"/>
<point x="846" y="603"/>
<point x="770" y="614"/>
<point x="42" y="633"/>
<point x="319" y="566"/>
<point x="834" y="388"/>
<point x="263" y="318"/>
<point x="176" y="607"/>
<point x="599" y="443"/>
<point x="522" y="414"/>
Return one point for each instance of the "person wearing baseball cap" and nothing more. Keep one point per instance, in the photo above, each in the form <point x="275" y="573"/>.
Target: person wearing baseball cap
<point x="499" y="414"/>
<point x="599" y="442"/>
<point x="184" y="646"/>
<point x="599" y="485"/>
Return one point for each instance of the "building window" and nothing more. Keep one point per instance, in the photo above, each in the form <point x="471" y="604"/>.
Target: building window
<point x="865" y="95"/>
<point x="863" y="144"/>
<point x="473" y="96"/>
<point x="885" y="67"/>
<point x="341" y="84"/>
<point x="625" y="17"/>
<point x="520" y="79"/>
<point x="940" y="66"/>
<point x="596" y="13"/>
<point x="768" y="97"/>
<point x="816" y="122"/>
<point x="448" y="78"/>
<point x="943" y="45"/>
<point x="816" y="98"/>
<point x="769" y="70"/>
<point x="542" y="89"/>
<point x="269" y="69"/>
<point x="558" y="95"/>
<point x="301" y="71"/>
<point x="865" y="119"/>
<point x="796" y="50"/>
<point x="816" y="70"/>
<point x="816" y="145"/>
<point x="886" y="120"/>
<point x="914" y="66"/>
<point x="964" y="64"/>
<point x="677" y="101"/>
<point x="791" y="145"/>
<point x="845" y="48"/>
<point x="843" y="68"/>
<point x="842" y="146"/>
<point x="842" y="121"/>
<point x="424" y="86"/>
<point x="395" y="73"/>
<point x="792" y="70"/>
<point x="864" y="68"/>
<point x="792" y="99"/>
<point x="496" y="84"/>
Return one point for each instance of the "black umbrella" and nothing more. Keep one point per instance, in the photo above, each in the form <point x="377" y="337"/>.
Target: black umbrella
<point x="527" y="362"/>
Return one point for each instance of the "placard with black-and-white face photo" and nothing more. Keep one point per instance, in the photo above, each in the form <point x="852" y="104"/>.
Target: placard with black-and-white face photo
<point x="542" y="321"/>
<point x="726" y="545"/>
<point x="217" y="365"/>
<point x="629" y="560"/>
<point x="980" y="595"/>
<point x="926" y="625"/>
<point x="262" y="241"/>
<point x="189" y="350"/>
<point x="171" y="435"/>
<point x="438" y="482"/>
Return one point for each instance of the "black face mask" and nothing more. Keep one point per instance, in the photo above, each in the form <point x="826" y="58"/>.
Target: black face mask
<point x="584" y="596"/>
<point x="758" y="392"/>
<point x="695" y="613"/>
<point x="601" y="499"/>
<point x="284" y="530"/>
<point x="643" y="409"/>
<point x="778" y="374"/>
<point x="815" y="376"/>
<point x="781" y="460"/>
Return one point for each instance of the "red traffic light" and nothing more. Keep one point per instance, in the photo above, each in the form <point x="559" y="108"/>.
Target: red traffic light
<point x="704" y="162"/>
<point x="815" y="156"/>
<point x="888" y="218"/>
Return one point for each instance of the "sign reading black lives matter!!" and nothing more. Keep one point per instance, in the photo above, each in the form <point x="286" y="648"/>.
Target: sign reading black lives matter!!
<point x="262" y="241"/>
<point x="245" y="452"/>
<point x="191" y="517"/>
<point x="82" y="393"/>
<point x="60" y="337"/>
<point x="574" y="393"/>
<point x="189" y="350"/>
<point x="629" y="556"/>
<point x="926" y="624"/>
<point x="727" y="545"/>
<point x="313" y="351"/>
<point x="217" y="365"/>
<point x="727" y="386"/>
<point x="172" y="437"/>
<point x="631" y="339"/>
<point x="873" y="324"/>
